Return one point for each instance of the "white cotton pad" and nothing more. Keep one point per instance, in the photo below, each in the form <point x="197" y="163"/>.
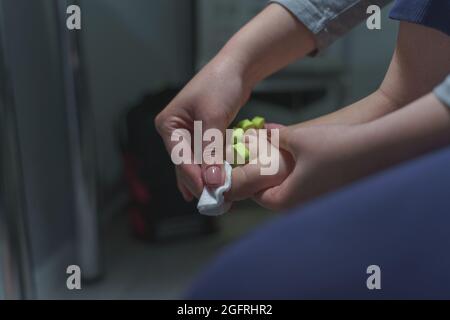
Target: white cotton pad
<point x="212" y="202"/>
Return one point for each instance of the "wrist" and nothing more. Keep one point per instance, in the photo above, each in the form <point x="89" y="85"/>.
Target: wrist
<point x="234" y="57"/>
<point x="268" y="43"/>
<point x="231" y="70"/>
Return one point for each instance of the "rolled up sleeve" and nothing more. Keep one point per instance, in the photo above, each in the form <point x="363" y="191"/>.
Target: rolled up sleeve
<point x="443" y="91"/>
<point x="329" y="19"/>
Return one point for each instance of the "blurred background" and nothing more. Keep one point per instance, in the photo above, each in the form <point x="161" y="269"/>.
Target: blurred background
<point x="85" y="179"/>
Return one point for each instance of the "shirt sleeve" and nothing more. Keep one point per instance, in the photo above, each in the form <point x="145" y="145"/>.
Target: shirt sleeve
<point x="431" y="13"/>
<point x="443" y="91"/>
<point x="329" y="19"/>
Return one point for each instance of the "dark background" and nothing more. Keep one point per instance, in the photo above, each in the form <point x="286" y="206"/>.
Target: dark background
<point x="129" y="49"/>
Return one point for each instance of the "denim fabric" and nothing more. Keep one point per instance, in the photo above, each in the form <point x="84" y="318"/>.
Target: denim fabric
<point x="398" y="220"/>
<point x="431" y="13"/>
<point x="329" y="19"/>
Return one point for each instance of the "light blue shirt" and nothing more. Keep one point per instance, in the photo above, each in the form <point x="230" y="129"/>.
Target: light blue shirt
<point x="330" y="19"/>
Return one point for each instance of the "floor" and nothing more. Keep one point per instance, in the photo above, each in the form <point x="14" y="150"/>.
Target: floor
<point x="137" y="270"/>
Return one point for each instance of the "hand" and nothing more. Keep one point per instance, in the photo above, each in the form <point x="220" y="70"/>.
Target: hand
<point x="326" y="157"/>
<point x="315" y="160"/>
<point x="247" y="180"/>
<point x="269" y="42"/>
<point x="213" y="96"/>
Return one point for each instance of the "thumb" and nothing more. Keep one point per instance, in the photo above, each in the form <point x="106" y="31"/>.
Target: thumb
<point x="279" y="197"/>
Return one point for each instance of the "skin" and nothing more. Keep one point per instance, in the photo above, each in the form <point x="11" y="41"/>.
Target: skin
<point x="327" y="157"/>
<point x="215" y="95"/>
<point x="364" y="127"/>
<point x="371" y="134"/>
<point x="355" y="134"/>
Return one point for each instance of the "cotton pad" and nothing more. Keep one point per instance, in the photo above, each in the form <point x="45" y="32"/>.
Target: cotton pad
<point x="212" y="202"/>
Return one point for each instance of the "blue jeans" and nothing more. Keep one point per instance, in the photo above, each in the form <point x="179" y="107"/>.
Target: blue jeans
<point x="398" y="220"/>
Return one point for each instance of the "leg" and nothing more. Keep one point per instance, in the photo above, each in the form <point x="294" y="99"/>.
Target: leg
<point x="398" y="220"/>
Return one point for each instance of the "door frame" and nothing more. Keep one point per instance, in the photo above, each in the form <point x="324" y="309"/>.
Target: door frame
<point x="16" y="261"/>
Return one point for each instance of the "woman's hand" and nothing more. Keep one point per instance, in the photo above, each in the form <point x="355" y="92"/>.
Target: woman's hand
<point x="213" y="96"/>
<point x="327" y="157"/>
<point x="313" y="160"/>
<point x="272" y="40"/>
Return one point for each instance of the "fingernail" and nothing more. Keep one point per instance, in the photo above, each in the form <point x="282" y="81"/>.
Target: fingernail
<point x="213" y="176"/>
